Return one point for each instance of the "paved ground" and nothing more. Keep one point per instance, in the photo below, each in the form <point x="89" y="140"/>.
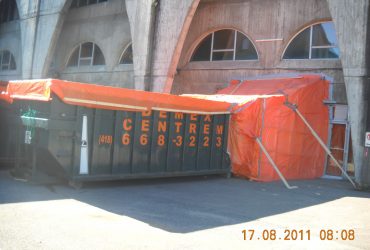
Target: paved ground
<point x="185" y="213"/>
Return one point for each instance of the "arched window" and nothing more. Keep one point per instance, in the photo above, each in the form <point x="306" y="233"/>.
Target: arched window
<point x="318" y="41"/>
<point x="225" y="45"/>
<point x="86" y="54"/>
<point x="127" y="57"/>
<point x="7" y="61"/>
<point x="8" y="11"/>
<point x="81" y="3"/>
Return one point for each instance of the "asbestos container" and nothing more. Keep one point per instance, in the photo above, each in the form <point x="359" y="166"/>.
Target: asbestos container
<point x="88" y="132"/>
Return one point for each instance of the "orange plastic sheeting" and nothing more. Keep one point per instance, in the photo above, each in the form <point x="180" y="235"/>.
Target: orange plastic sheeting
<point x="105" y="97"/>
<point x="261" y="112"/>
<point x="3" y="94"/>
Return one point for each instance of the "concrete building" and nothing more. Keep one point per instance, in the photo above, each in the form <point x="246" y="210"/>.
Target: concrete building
<point x="193" y="46"/>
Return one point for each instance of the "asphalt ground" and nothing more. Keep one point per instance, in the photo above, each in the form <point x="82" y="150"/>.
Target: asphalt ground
<point x="184" y="213"/>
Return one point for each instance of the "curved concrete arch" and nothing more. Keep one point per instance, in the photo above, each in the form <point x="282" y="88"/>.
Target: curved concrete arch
<point x="192" y="7"/>
<point x="156" y="58"/>
<point x="183" y="26"/>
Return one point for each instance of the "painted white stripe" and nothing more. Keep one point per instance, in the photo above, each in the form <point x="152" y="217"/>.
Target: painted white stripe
<point x="35" y="118"/>
<point x="269" y="40"/>
<point x="84" y="160"/>
<point x="110" y="104"/>
<point x="192" y="111"/>
<point x="141" y="108"/>
<point x="33" y="97"/>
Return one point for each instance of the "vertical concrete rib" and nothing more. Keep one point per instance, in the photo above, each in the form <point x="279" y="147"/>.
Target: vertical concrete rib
<point x="40" y="23"/>
<point x="141" y="14"/>
<point x="351" y="23"/>
<point x="173" y="22"/>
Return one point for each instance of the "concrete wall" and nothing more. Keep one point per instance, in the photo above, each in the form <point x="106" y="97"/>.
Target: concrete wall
<point x="263" y="19"/>
<point x="105" y="24"/>
<point x="160" y="59"/>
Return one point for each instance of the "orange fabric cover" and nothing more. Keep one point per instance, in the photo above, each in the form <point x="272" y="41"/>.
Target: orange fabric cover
<point x="288" y="141"/>
<point x="105" y="97"/>
<point x="3" y="94"/>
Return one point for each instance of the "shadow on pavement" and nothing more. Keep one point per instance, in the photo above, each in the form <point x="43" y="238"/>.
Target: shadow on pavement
<point x="183" y="205"/>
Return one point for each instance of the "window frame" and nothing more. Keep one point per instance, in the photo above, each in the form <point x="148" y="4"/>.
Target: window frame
<point x="88" y="3"/>
<point x="9" y="63"/>
<point x="79" y="58"/>
<point x="10" y="13"/>
<point x="310" y="43"/>
<point x="123" y="53"/>
<point x="222" y="50"/>
<point x="212" y="50"/>
<point x="90" y="58"/>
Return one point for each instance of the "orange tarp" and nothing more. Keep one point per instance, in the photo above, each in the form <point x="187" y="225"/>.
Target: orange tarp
<point x="289" y="142"/>
<point x="105" y="97"/>
<point x="3" y="95"/>
<point x="261" y="112"/>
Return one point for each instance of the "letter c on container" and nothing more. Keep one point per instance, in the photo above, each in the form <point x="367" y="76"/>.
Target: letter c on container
<point x="127" y="124"/>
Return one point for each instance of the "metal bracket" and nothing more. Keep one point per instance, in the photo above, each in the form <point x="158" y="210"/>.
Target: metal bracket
<point x="290" y="105"/>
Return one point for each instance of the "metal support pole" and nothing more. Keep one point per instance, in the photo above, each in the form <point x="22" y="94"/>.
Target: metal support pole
<point x="327" y="150"/>
<point x="274" y="165"/>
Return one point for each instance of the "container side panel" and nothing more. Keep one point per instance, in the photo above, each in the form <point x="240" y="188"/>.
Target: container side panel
<point x="175" y="142"/>
<point x="102" y="142"/>
<point x="159" y="146"/>
<point x="205" y="142"/>
<point x="8" y="135"/>
<point x="218" y="131"/>
<point x="61" y="146"/>
<point x="123" y="142"/>
<point x="61" y="110"/>
<point x="61" y="133"/>
<point x="225" y="159"/>
<point x="142" y="142"/>
<point x="191" y="141"/>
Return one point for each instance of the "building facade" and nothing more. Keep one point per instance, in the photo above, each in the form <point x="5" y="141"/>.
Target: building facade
<point x="193" y="46"/>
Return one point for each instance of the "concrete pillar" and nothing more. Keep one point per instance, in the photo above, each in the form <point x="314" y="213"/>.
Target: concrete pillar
<point x="351" y="23"/>
<point x="28" y="22"/>
<point x="173" y="22"/>
<point x="40" y="23"/>
<point x="141" y="14"/>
